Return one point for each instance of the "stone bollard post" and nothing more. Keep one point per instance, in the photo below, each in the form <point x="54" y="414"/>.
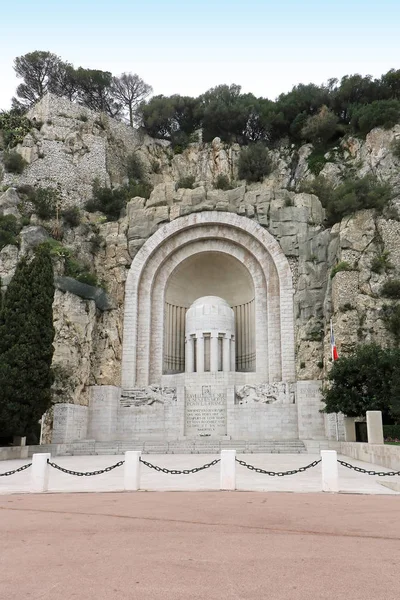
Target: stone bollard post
<point x="228" y="470"/>
<point x="132" y="471"/>
<point x="39" y="473"/>
<point x="374" y="427"/>
<point x="330" y="474"/>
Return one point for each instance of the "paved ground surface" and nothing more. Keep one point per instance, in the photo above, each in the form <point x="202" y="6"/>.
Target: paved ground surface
<point x="199" y="546"/>
<point x="309" y="481"/>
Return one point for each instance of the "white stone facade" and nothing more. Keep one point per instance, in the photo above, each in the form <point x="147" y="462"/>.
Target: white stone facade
<point x="202" y="390"/>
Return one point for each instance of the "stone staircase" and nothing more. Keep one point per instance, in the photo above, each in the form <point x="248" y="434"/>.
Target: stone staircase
<point x="184" y="447"/>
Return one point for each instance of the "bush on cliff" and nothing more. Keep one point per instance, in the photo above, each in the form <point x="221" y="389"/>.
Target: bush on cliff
<point x="9" y="230"/>
<point x="365" y="380"/>
<point x="254" y="163"/>
<point x="26" y="345"/>
<point x="351" y="195"/>
<point x="13" y="162"/>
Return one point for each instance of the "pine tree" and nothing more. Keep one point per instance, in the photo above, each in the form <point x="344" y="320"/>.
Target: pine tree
<point x="26" y="346"/>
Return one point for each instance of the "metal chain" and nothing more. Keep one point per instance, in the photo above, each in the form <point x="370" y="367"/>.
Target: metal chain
<point x="277" y="473"/>
<point x="87" y="473"/>
<point x="7" y="473"/>
<point x="176" y="472"/>
<point x="361" y="470"/>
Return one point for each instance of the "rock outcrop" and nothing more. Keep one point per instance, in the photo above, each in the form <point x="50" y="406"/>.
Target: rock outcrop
<point x="72" y="146"/>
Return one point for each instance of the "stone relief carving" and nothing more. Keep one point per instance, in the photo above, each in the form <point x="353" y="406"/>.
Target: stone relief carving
<point x="148" y="396"/>
<point x="265" y="393"/>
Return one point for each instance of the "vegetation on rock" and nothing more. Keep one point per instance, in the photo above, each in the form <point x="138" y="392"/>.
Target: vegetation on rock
<point x="13" y="162"/>
<point x="365" y="380"/>
<point x="391" y="289"/>
<point x="26" y="346"/>
<point x="14" y="127"/>
<point x="254" y="163"/>
<point x="9" y="230"/>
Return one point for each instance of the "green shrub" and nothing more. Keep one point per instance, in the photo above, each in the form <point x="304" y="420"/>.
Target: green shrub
<point x="45" y="201"/>
<point x="71" y="216"/>
<point x="186" y="182"/>
<point x="321" y="127"/>
<point x="142" y="189"/>
<point x="13" y="162"/>
<point x="391" y="289"/>
<point x="395" y="148"/>
<point x="222" y="183"/>
<point x="381" y="263"/>
<point x="391" y="432"/>
<point x="83" y="117"/>
<point x="74" y="268"/>
<point x="391" y="320"/>
<point x="134" y="168"/>
<point x="254" y="163"/>
<point x="14" y="127"/>
<point x="96" y="243"/>
<point x="381" y="113"/>
<point x="316" y="161"/>
<point x="56" y="249"/>
<point x="155" y="167"/>
<point x="350" y="196"/>
<point x="107" y="200"/>
<point x="341" y="266"/>
<point x="9" y="229"/>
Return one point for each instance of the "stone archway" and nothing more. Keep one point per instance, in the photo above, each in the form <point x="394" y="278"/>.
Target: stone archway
<point x="173" y="243"/>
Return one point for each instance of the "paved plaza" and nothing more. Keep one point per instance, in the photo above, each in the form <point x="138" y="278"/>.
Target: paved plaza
<point x="199" y="546"/>
<point x="308" y="481"/>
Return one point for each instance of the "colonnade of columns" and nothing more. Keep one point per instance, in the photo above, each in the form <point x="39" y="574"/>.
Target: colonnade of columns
<point x="221" y="357"/>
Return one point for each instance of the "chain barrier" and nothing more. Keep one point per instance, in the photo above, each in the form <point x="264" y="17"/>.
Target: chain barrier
<point x="277" y="473"/>
<point x="365" y="471"/>
<point x="87" y="473"/>
<point x="7" y="473"/>
<point x="176" y="472"/>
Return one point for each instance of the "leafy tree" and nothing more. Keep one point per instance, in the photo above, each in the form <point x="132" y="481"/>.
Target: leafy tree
<point x="226" y="113"/>
<point x="362" y="381"/>
<point x="254" y="163"/>
<point x="353" y="90"/>
<point x="380" y="113"/>
<point x="37" y="70"/>
<point x="321" y="127"/>
<point x="95" y="91"/>
<point x="130" y="91"/>
<point x="64" y="81"/>
<point x="390" y="84"/>
<point x="26" y="345"/>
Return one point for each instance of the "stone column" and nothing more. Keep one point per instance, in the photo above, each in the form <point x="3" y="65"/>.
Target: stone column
<point x="233" y="354"/>
<point x="189" y="354"/>
<point x="214" y="352"/>
<point x="349" y="429"/>
<point x="374" y="427"/>
<point x="200" y="353"/>
<point x="226" y="354"/>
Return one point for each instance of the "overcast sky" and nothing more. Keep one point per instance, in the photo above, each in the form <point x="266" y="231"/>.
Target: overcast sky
<point x="188" y="46"/>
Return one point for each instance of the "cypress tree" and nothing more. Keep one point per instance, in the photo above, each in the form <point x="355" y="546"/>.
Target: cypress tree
<point x="26" y="345"/>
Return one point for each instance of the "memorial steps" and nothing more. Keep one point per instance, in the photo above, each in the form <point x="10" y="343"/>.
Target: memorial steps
<point x="212" y="446"/>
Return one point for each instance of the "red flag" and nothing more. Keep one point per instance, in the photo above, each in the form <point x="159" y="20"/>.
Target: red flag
<point x="335" y="354"/>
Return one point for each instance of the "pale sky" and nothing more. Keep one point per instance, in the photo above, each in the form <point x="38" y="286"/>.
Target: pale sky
<point x="188" y="46"/>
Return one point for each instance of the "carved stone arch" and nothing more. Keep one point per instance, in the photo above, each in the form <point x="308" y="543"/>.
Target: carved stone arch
<point x="232" y="232"/>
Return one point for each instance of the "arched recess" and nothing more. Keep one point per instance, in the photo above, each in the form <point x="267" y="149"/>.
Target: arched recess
<point x="145" y="290"/>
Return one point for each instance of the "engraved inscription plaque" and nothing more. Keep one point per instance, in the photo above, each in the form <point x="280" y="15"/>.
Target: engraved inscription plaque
<point x="205" y="410"/>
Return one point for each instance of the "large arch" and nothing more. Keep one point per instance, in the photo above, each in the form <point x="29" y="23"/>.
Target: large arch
<point x="166" y="250"/>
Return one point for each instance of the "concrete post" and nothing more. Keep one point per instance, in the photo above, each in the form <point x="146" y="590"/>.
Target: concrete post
<point x="330" y="475"/>
<point x="374" y="427"/>
<point x="39" y="473"/>
<point x="214" y="352"/>
<point x="132" y="471"/>
<point x="228" y="470"/>
<point x="349" y="429"/>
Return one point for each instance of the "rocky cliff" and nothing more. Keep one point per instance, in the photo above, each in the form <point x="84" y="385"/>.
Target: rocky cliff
<point x="71" y="146"/>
